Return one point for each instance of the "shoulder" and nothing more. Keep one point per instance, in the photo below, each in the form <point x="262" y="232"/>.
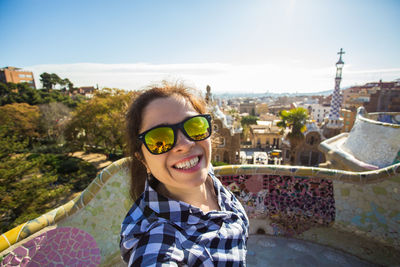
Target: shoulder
<point x="157" y="246"/>
<point x="148" y="239"/>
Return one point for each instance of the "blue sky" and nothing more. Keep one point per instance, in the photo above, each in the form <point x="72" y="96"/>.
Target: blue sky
<point x="232" y="45"/>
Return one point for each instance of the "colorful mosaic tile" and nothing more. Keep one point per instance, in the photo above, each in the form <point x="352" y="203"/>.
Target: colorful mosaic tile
<point x="101" y="218"/>
<point x="290" y="198"/>
<point x="64" y="246"/>
<point x="371" y="143"/>
<point x="293" y="204"/>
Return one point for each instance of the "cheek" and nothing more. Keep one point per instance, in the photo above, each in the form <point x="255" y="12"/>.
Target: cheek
<point x="148" y="160"/>
<point x="155" y="163"/>
<point x="207" y="147"/>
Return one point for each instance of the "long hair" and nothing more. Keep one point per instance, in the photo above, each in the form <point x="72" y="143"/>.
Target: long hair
<point x="134" y="121"/>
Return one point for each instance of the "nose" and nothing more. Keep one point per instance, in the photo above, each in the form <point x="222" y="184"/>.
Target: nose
<point x="183" y="144"/>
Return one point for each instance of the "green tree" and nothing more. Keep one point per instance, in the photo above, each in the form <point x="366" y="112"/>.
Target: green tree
<point x="4" y="90"/>
<point x="20" y="120"/>
<point x="18" y="93"/>
<point x="22" y="93"/>
<point x="100" y="122"/>
<point x="66" y="83"/>
<point x="31" y="185"/>
<point x="248" y="120"/>
<point x="294" y="121"/>
<point x="28" y="95"/>
<point x="47" y="81"/>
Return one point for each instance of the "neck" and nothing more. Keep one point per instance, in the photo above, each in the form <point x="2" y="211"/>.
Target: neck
<point x="202" y="196"/>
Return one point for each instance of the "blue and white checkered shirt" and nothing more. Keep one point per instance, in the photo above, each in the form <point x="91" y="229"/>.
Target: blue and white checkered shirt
<point x="159" y="231"/>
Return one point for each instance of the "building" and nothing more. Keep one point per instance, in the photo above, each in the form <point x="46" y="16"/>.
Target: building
<point x="386" y="98"/>
<point x="306" y="151"/>
<point x="17" y="75"/>
<point x="276" y="109"/>
<point x="226" y="134"/>
<point x="226" y="147"/>
<point x="265" y="135"/>
<point x="87" y="91"/>
<point x="248" y="107"/>
<point x="349" y="117"/>
<point x="357" y="96"/>
<point x="261" y="109"/>
<point x="268" y="117"/>
<point x="317" y="112"/>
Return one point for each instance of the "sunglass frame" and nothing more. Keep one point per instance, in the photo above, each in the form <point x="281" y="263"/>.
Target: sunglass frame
<point x="175" y="127"/>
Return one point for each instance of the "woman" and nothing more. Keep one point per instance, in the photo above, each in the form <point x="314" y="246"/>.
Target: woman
<point x="183" y="216"/>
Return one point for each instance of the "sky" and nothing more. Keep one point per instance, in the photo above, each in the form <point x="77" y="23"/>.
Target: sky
<point x="235" y="46"/>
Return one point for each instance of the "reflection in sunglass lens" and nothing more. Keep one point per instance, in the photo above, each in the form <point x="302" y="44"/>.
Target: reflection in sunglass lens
<point x="197" y="128"/>
<point x="160" y="140"/>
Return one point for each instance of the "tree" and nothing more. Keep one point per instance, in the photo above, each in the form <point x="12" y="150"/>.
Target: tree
<point x="66" y="83"/>
<point x="50" y="80"/>
<point x="295" y="121"/>
<point x="18" y="93"/>
<point x="46" y="80"/>
<point x="248" y="120"/>
<point x="53" y="119"/>
<point x="20" y="120"/>
<point x="4" y="90"/>
<point x="22" y="93"/>
<point x="99" y="124"/>
<point x="27" y="94"/>
<point x="31" y="185"/>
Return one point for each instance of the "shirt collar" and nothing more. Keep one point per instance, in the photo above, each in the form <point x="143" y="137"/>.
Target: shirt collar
<point x="182" y="213"/>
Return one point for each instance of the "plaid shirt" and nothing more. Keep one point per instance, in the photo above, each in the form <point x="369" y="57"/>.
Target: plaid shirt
<point x="159" y="231"/>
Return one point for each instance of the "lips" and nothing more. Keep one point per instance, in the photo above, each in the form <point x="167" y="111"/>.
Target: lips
<point x="188" y="163"/>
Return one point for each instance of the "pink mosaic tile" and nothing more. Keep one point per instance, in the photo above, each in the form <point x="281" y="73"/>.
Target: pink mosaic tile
<point x="64" y="246"/>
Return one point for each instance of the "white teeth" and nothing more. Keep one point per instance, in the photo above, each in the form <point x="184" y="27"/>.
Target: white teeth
<point x="187" y="164"/>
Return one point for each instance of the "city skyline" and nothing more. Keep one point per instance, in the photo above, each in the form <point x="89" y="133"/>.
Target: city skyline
<point x="233" y="46"/>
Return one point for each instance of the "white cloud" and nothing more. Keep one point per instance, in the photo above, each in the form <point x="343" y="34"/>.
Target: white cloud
<point x="221" y="77"/>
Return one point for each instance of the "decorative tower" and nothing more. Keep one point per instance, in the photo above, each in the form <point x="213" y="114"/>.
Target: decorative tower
<point x="208" y="95"/>
<point x="335" y="124"/>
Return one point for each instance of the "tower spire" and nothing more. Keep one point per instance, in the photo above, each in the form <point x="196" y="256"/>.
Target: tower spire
<point x="335" y="124"/>
<point x="336" y="101"/>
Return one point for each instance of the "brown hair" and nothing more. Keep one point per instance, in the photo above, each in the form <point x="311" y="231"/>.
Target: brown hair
<point x="134" y="120"/>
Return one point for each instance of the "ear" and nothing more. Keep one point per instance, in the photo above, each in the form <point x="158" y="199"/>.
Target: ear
<point x="141" y="159"/>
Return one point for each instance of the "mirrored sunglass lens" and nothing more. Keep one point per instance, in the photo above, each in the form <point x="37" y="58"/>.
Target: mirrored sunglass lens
<point x="160" y="140"/>
<point x="197" y="128"/>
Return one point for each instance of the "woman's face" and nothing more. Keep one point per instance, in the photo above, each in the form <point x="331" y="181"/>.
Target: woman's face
<point x="167" y="167"/>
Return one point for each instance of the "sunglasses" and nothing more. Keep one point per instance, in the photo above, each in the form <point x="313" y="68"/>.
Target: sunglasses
<point x="162" y="138"/>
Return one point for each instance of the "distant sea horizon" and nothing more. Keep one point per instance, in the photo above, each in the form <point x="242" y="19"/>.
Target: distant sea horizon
<point x="270" y="94"/>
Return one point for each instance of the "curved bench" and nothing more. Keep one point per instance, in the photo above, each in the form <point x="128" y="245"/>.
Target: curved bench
<point x="370" y="145"/>
<point x="280" y="200"/>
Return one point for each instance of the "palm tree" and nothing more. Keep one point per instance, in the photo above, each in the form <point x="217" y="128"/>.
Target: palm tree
<point x="294" y="120"/>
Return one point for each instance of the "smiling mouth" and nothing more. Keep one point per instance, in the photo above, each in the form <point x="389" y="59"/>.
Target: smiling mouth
<point x="188" y="164"/>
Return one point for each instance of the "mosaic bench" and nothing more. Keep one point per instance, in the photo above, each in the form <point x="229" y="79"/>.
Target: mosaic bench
<point x="280" y="200"/>
<point x="372" y="143"/>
